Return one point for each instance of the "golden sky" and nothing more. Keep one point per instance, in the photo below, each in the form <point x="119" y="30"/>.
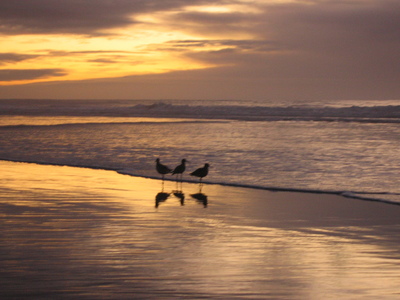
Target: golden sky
<point x="261" y="48"/>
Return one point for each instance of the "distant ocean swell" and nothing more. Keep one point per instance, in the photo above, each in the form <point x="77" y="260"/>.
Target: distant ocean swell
<point x="389" y="114"/>
<point x="372" y="114"/>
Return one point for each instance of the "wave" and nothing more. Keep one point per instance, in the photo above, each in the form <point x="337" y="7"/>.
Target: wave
<point x="376" y="197"/>
<point x="66" y="123"/>
<point x="260" y="113"/>
<point x="369" y="114"/>
<point x="365" y="196"/>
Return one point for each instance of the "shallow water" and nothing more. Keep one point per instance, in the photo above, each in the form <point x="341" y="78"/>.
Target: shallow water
<point x="70" y="233"/>
<point x="324" y="156"/>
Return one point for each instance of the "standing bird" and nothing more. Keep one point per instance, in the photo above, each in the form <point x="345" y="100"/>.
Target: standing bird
<point x="201" y="172"/>
<point x="180" y="169"/>
<point x="162" y="169"/>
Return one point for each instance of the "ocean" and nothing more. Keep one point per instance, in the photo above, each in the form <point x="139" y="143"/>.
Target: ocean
<point x="347" y="147"/>
<point x="92" y="233"/>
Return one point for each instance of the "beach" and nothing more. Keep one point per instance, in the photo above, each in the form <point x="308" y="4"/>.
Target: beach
<point x="79" y="233"/>
<point x="199" y="150"/>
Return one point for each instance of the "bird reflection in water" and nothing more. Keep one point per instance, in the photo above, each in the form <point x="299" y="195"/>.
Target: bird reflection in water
<point x="201" y="198"/>
<point x="161" y="197"/>
<point x="181" y="196"/>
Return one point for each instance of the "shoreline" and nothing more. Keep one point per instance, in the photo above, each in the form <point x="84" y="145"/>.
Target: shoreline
<point x="345" y="194"/>
<point x="336" y="202"/>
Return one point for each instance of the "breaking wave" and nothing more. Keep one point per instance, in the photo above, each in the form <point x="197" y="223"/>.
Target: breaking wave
<point x="375" y="114"/>
<point x="163" y="109"/>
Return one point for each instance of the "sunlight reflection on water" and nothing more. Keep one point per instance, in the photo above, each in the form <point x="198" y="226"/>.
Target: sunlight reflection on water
<point x="90" y="234"/>
<point x="51" y="120"/>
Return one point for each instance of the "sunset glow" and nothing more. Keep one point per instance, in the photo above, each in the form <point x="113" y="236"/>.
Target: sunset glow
<point x="134" y="50"/>
<point x="314" y="47"/>
<point x="125" y="53"/>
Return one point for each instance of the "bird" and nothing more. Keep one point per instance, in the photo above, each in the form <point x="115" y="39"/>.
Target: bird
<point x="180" y="169"/>
<point x="162" y="169"/>
<point x="201" y="172"/>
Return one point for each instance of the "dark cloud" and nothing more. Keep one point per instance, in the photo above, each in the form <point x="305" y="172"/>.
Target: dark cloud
<point x="197" y="49"/>
<point x="254" y="45"/>
<point x="339" y="39"/>
<point x="212" y="24"/>
<point x="76" y="16"/>
<point x="29" y="74"/>
<point x="333" y="25"/>
<point x="335" y="40"/>
<point x="6" y="58"/>
<point x="312" y="25"/>
<point x="103" y="61"/>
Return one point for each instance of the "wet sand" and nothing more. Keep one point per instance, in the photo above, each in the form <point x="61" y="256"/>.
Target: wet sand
<point x="74" y="233"/>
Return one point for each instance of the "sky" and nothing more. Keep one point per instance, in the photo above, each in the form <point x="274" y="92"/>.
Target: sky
<point x="200" y="49"/>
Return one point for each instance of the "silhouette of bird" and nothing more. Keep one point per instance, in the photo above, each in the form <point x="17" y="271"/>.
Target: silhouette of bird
<point x="162" y="169"/>
<point x="201" y="172"/>
<point x="180" y="169"/>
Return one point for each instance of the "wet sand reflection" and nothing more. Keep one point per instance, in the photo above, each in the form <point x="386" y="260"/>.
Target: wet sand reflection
<point x="70" y="233"/>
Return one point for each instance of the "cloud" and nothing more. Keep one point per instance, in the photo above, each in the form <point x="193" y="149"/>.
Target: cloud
<point x="6" y="58"/>
<point x="29" y="74"/>
<point x="255" y="45"/>
<point x="212" y="24"/>
<point x="77" y="16"/>
<point x="333" y="25"/>
<point x="103" y="61"/>
<point x="314" y="48"/>
<point x="332" y="39"/>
